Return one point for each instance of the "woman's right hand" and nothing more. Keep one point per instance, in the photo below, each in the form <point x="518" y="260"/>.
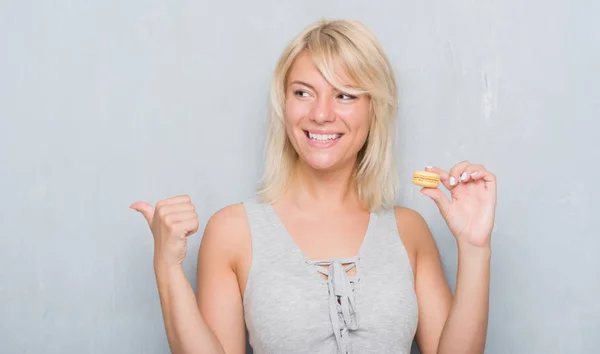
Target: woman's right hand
<point x="171" y="222"/>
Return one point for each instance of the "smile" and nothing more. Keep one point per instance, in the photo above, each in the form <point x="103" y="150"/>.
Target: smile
<point x="322" y="137"/>
<point x="322" y="140"/>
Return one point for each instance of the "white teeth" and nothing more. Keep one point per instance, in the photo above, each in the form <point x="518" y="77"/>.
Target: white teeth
<point x="323" y="137"/>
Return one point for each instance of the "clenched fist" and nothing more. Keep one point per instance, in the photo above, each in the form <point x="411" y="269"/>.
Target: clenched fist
<point x="171" y="222"/>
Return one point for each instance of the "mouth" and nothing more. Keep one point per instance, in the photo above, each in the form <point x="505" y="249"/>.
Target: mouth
<point x="322" y="137"/>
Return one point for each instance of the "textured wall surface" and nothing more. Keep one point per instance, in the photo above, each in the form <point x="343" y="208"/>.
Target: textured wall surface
<point x="103" y="103"/>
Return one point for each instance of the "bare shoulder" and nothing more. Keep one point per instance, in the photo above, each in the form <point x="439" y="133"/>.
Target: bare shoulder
<point x="409" y="217"/>
<point x="227" y="232"/>
<point x="231" y="217"/>
<point x="411" y="224"/>
<point x="414" y="231"/>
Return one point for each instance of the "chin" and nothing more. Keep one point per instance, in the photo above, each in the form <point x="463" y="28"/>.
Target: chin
<point x="323" y="163"/>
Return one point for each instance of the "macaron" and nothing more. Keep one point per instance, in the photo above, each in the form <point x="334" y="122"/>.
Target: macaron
<point x="426" y="179"/>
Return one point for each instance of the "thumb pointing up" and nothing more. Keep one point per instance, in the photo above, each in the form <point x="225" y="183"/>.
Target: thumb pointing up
<point x="171" y="222"/>
<point x="145" y="209"/>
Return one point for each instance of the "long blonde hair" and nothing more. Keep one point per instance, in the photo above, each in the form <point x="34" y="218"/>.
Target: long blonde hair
<point x="350" y="46"/>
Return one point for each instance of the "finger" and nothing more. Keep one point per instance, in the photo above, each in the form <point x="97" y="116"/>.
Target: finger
<point x="438" y="197"/>
<point x="456" y="172"/>
<point x="444" y="176"/>
<point x="177" y="217"/>
<point x="145" y="209"/>
<point x="483" y="174"/>
<point x="174" y="200"/>
<point x="189" y="226"/>
<point x="488" y="177"/>
<point x="469" y="171"/>
<point x="165" y="210"/>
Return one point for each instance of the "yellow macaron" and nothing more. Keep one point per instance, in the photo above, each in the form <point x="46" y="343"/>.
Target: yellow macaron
<point x="426" y="179"/>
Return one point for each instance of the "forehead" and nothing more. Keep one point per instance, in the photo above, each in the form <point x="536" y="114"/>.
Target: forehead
<point x="329" y="73"/>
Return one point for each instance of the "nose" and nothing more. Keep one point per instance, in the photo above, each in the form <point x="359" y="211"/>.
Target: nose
<point x="322" y="111"/>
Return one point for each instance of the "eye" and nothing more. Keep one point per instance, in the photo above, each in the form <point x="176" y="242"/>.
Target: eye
<point x="346" y="97"/>
<point x="301" y="93"/>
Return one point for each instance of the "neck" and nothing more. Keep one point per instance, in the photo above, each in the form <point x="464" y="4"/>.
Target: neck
<point x="323" y="190"/>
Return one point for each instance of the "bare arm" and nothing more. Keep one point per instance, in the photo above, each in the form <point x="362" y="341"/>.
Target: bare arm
<point x="433" y="293"/>
<point x="448" y="324"/>
<point x="466" y="327"/>
<point x="211" y="322"/>
<point x="186" y="329"/>
<point x="218" y="292"/>
<point x="171" y="222"/>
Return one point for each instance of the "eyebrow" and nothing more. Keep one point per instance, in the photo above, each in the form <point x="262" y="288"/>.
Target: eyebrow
<point x="302" y="83"/>
<point x="298" y="82"/>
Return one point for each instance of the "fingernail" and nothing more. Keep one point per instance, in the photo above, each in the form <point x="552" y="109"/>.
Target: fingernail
<point x="428" y="166"/>
<point x="452" y="181"/>
<point x="463" y="176"/>
<point x="474" y="173"/>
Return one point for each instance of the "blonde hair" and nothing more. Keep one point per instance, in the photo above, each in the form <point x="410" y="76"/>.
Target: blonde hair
<point x="350" y="46"/>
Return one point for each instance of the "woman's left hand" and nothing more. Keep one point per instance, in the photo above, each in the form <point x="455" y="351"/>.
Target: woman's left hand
<point x="470" y="212"/>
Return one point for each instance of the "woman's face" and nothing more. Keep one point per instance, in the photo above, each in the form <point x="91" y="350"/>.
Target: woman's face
<point x="326" y="127"/>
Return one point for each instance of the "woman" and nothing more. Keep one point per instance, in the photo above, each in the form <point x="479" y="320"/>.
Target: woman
<point x="321" y="261"/>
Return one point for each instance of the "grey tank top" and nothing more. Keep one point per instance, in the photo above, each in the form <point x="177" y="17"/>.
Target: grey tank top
<point x="290" y="308"/>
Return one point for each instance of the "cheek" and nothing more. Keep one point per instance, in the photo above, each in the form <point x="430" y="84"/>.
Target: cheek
<point x="294" y="111"/>
<point x="356" y="117"/>
<point x="293" y="114"/>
